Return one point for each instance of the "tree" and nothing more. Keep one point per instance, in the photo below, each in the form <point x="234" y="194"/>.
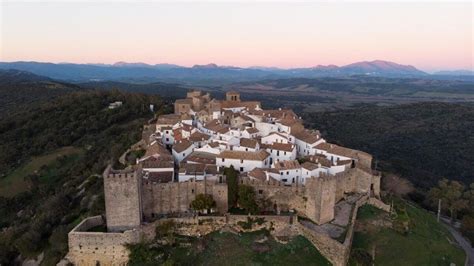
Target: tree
<point x="469" y="196"/>
<point x="451" y="195"/>
<point x="232" y="185"/>
<point x="166" y="230"/>
<point x="396" y="185"/>
<point x="203" y="202"/>
<point x="246" y="199"/>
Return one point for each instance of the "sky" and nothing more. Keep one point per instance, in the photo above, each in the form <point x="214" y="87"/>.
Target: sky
<point x="428" y="35"/>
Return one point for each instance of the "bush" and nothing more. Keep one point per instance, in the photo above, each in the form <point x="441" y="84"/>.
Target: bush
<point x="361" y="257"/>
<point x="203" y="202"/>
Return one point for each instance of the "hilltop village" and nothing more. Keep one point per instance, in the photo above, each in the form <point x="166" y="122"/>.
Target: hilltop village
<point x="186" y="153"/>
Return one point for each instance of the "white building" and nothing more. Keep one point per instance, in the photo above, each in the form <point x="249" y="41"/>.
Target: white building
<point x="281" y="152"/>
<point x="276" y="137"/>
<point x="306" y="141"/>
<point x="247" y="145"/>
<point x="290" y="171"/>
<point x="243" y="161"/>
<point x="182" y="149"/>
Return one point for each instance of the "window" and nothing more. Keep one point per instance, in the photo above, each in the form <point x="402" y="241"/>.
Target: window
<point x="167" y="139"/>
<point x="285" y="153"/>
<point x="287" y="172"/>
<point x="281" y="173"/>
<point x="284" y="180"/>
<point x="260" y="191"/>
<point x="278" y="153"/>
<point x="223" y="159"/>
<point x="167" y="132"/>
<point x="241" y="161"/>
<point x="184" y="154"/>
<point x="241" y="169"/>
<point x="192" y="191"/>
<point x="246" y="149"/>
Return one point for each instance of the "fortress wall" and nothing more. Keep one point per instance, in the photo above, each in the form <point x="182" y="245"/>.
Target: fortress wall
<point x="333" y="250"/>
<point x="321" y="199"/>
<point x="176" y="197"/>
<point x="356" y="180"/>
<point x="90" y="248"/>
<point x="284" y="198"/>
<point x="122" y="199"/>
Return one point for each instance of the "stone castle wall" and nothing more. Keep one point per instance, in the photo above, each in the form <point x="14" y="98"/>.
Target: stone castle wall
<point x="122" y="199"/>
<point x="176" y="197"/>
<point x="90" y="248"/>
<point x="282" y="198"/>
<point x="321" y="199"/>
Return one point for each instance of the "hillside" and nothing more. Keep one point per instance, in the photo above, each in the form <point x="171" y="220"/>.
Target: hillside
<point x="51" y="161"/>
<point x="330" y="93"/>
<point x="163" y="89"/>
<point x="20" y="87"/>
<point x="409" y="236"/>
<point x="423" y="142"/>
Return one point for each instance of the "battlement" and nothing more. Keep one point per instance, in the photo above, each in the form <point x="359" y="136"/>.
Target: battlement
<point x="125" y="173"/>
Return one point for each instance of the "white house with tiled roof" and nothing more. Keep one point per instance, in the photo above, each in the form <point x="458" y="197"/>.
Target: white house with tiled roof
<point x="280" y="151"/>
<point x="262" y="143"/>
<point x="243" y="161"/>
<point x="290" y="171"/>
<point x="182" y="149"/>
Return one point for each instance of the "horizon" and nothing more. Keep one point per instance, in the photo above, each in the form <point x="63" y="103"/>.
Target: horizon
<point x="224" y="66"/>
<point x="431" y="37"/>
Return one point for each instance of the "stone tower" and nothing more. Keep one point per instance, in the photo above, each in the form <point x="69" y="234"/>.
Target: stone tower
<point x="321" y="199"/>
<point x="122" y="199"/>
<point x="232" y="96"/>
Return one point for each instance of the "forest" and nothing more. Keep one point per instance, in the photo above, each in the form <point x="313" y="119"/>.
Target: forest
<point x="423" y="142"/>
<point x="68" y="187"/>
<point x="56" y="139"/>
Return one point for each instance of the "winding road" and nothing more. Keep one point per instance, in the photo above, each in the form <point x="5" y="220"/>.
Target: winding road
<point x="463" y="243"/>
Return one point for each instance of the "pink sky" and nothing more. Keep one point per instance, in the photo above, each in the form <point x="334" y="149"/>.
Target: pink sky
<point x="430" y="36"/>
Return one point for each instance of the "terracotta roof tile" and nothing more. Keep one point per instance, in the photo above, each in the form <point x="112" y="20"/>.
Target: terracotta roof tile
<point x="244" y="155"/>
<point x="182" y="145"/>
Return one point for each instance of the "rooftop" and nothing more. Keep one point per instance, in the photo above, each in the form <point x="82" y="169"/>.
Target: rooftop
<point x="244" y="155"/>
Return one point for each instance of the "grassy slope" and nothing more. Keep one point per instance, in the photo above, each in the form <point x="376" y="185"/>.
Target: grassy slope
<point x="426" y="243"/>
<point x="16" y="182"/>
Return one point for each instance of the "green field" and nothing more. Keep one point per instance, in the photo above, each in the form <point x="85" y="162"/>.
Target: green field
<point x="17" y="182"/>
<point x="230" y="249"/>
<point x="422" y="242"/>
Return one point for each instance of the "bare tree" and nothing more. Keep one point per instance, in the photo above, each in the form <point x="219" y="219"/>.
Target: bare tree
<point x="396" y="185"/>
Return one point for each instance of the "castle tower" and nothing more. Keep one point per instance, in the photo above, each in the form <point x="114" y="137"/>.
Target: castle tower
<point x="122" y="199"/>
<point x="321" y="195"/>
<point x="232" y="96"/>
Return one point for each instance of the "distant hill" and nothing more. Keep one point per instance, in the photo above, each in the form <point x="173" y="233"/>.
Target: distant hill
<point x="455" y="73"/>
<point x="20" y="88"/>
<point x="379" y="67"/>
<point x="209" y="74"/>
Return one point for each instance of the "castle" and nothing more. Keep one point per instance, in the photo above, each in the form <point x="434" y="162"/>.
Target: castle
<point x="291" y="167"/>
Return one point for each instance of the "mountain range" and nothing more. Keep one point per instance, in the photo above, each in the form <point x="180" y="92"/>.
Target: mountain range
<point x="210" y="73"/>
